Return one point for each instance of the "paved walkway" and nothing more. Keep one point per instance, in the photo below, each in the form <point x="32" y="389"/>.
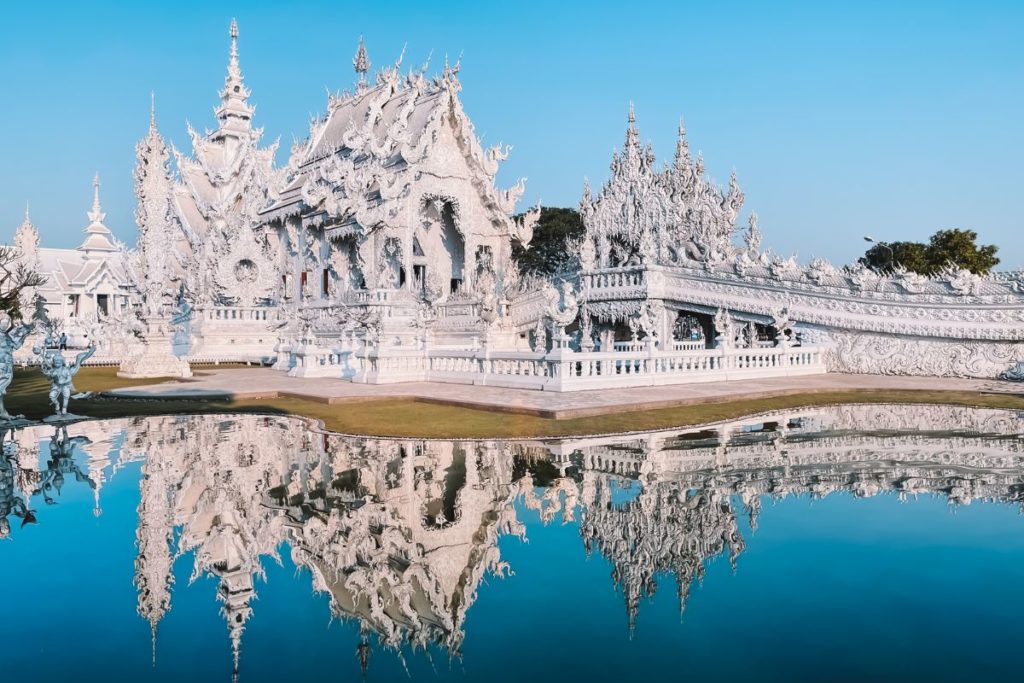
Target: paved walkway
<point x="266" y="383"/>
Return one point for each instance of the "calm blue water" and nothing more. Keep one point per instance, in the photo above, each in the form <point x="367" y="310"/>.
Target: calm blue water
<point x="889" y="545"/>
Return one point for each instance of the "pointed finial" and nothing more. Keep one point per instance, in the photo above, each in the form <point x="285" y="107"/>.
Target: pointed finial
<point x="682" y="127"/>
<point x="632" y="114"/>
<point x="233" y="68"/>
<point x="96" y="215"/>
<point x="401" y="56"/>
<point x="233" y="54"/>
<point x="27" y="219"/>
<point x="361" y="62"/>
<point x="152" y="109"/>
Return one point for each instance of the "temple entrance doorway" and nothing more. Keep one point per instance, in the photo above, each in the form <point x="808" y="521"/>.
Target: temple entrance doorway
<point x="454" y="245"/>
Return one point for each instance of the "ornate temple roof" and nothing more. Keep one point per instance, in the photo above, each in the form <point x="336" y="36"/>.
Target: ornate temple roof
<point x="370" y="136"/>
<point x="227" y="176"/>
<point x="71" y="270"/>
<point x="650" y="215"/>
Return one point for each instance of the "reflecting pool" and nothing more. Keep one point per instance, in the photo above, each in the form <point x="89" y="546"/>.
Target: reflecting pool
<point x="849" y="543"/>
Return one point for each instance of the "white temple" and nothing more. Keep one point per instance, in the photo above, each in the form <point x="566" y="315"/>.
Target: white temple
<point x="86" y="287"/>
<point x="382" y="253"/>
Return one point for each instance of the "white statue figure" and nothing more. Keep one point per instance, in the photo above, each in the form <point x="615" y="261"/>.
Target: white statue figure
<point x="561" y="308"/>
<point x="61" y="374"/>
<point x="783" y="326"/>
<point x="725" y="335"/>
<point x="11" y="340"/>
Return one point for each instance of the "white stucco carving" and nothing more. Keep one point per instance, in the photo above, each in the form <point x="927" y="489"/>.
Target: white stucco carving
<point x="383" y="250"/>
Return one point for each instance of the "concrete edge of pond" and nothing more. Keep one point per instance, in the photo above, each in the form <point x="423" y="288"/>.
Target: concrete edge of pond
<point x="246" y="384"/>
<point x="318" y="426"/>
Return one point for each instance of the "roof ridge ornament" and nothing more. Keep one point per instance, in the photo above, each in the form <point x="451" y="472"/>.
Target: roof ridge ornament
<point x="234" y="70"/>
<point x="401" y="57"/>
<point x="361" y="63"/>
<point x="96" y="215"/>
<point x="97" y="234"/>
<point x="234" y="112"/>
<point x="682" y="146"/>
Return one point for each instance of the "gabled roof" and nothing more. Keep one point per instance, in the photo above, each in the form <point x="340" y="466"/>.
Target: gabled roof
<point x="393" y="125"/>
<point x="68" y="269"/>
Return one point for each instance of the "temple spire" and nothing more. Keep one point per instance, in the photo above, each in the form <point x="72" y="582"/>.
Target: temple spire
<point x="26" y="239"/>
<point x="234" y="112"/>
<point x="97" y="234"/>
<point x="632" y="136"/>
<point x="152" y="110"/>
<point x="361" y="62"/>
<point x="96" y="215"/>
<point x="682" y="146"/>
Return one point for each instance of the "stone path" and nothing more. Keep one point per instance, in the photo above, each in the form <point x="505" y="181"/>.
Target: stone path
<point x="266" y="383"/>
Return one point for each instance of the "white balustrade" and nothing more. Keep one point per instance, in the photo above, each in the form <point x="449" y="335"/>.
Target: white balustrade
<point x="559" y="370"/>
<point x="235" y="314"/>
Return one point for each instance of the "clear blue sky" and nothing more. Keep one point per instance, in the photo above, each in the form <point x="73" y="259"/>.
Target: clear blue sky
<point x="894" y="119"/>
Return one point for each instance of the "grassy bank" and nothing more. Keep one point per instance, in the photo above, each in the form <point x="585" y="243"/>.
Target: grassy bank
<point x="411" y="418"/>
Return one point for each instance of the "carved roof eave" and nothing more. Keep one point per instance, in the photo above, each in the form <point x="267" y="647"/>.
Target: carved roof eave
<point x="482" y="168"/>
<point x="281" y="211"/>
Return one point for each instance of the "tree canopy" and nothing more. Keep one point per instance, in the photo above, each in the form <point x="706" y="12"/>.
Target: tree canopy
<point x="549" y="250"/>
<point x="946" y="247"/>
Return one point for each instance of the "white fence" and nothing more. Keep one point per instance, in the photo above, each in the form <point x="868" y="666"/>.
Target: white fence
<point x="559" y="370"/>
<point x="641" y="346"/>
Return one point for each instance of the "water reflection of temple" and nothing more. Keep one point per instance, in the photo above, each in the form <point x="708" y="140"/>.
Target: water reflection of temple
<point x="399" y="534"/>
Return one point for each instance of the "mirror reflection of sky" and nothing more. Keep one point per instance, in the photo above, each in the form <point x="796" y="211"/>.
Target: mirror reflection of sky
<point x="881" y="553"/>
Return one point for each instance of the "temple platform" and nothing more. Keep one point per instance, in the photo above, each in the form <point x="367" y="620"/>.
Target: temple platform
<point x="246" y="383"/>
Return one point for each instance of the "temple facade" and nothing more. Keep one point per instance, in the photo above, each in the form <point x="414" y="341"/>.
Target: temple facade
<point x="88" y="291"/>
<point x="382" y="252"/>
<point x="663" y="253"/>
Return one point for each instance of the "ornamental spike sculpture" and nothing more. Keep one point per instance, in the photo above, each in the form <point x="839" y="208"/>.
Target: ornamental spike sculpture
<point x="361" y="62"/>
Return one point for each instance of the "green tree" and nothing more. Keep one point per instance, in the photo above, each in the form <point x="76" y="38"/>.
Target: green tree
<point x="945" y="247"/>
<point x="885" y="256"/>
<point x="960" y="248"/>
<point x="549" y="250"/>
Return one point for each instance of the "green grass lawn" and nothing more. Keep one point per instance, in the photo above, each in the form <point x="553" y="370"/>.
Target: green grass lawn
<point x="410" y="418"/>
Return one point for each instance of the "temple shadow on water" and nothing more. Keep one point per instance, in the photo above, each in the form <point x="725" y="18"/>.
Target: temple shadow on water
<point x="399" y="535"/>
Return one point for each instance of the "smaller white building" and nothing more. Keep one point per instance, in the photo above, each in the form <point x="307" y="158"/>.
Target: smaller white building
<point x="85" y="286"/>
